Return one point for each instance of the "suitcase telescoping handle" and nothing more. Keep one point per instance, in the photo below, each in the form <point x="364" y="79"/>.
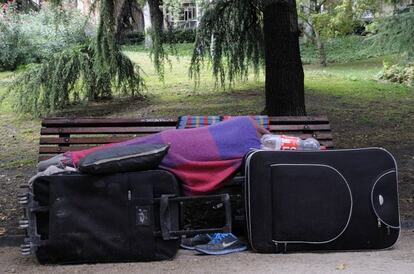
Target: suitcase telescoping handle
<point x="165" y="218"/>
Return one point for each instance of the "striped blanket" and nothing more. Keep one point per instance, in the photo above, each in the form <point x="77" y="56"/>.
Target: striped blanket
<point x="194" y="121"/>
<point x="202" y="158"/>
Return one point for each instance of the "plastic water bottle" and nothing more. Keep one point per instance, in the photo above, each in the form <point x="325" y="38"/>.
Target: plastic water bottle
<point x="284" y="142"/>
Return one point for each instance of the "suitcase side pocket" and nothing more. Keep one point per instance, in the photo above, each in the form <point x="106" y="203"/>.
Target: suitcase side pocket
<point x="312" y="203"/>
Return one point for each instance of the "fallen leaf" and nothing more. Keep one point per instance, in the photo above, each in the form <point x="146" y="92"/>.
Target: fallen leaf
<point x="2" y="231"/>
<point x="341" y="266"/>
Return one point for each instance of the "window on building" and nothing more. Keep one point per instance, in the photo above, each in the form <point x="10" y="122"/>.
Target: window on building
<point x="188" y="12"/>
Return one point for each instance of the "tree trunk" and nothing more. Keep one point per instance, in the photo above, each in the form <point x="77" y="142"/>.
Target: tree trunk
<point x="155" y="35"/>
<point x="119" y="6"/>
<point x="321" y="49"/>
<point x="284" y="71"/>
<point x="156" y="16"/>
<point x="147" y="26"/>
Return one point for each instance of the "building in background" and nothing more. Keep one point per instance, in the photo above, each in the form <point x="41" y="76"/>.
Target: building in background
<point x="186" y="18"/>
<point x="141" y="19"/>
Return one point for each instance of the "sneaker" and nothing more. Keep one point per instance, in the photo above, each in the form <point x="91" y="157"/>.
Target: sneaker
<point x="222" y="243"/>
<point x="190" y="243"/>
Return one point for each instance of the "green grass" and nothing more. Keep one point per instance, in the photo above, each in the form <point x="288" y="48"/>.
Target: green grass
<point x="177" y="79"/>
<point x="356" y="80"/>
<point x="180" y="49"/>
<point x="355" y="91"/>
<point x="341" y="50"/>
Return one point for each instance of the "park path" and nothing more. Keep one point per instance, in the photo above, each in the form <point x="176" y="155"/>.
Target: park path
<point x="400" y="260"/>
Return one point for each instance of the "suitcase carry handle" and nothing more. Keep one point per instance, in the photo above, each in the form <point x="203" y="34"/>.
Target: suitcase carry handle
<point x="165" y="219"/>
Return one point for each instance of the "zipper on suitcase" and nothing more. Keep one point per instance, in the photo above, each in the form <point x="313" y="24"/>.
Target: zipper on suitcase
<point x="130" y="212"/>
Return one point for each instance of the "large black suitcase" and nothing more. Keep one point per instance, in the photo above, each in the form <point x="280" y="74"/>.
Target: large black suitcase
<point x="75" y="218"/>
<point x="322" y="200"/>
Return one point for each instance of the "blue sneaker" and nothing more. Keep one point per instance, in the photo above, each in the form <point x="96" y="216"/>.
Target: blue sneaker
<point x="190" y="243"/>
<point x="222" y="243"/>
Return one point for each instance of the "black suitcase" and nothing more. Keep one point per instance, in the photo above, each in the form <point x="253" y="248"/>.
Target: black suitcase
<point x="321" y="200"/>
<point x="75" y="218"/>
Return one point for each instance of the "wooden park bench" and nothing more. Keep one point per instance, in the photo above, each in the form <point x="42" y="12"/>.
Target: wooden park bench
<point x="59" y="135"/>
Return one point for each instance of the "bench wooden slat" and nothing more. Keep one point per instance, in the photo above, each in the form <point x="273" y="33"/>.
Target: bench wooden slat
<point x="113" y="122"/>
<point x="82" y="140"/>
<point x="101" y="130"/>
<point x="303" y="127"/>
<point x="327" y="144"/>
<point x="298" y="119"/>
<point x="57" y="149"/>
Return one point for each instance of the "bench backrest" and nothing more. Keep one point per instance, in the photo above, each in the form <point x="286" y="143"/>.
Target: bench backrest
<point x="59" y="135"/>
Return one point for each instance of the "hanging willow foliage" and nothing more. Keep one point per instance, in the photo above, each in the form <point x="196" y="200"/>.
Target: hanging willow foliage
<point x="230" y="36"/>
<point x="396" y="32"/>
<point x="89" y="71"/>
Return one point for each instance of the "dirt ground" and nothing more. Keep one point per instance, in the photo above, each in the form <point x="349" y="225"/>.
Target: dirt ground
<point x="400" y="259"/>
<point x="388" y="124"/>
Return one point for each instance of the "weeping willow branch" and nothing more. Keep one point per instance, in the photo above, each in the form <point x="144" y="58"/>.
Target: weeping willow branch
<point x="230" y="36"/>
<point x="71" y="76"/>
<point x="89" y="71"/>
<point x="396" y="32"/>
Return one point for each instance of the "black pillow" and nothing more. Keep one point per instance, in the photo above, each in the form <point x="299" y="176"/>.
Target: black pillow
<point x="123" y="159"/>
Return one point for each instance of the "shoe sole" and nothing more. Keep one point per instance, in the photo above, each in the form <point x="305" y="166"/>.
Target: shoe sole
<point x="188" y="247"/>
<point x="223" y="252"/>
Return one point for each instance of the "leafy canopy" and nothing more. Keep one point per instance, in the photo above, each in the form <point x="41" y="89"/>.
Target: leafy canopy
<point x="334" y="17"/>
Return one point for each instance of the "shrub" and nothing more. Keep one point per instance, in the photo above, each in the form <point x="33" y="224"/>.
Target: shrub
<point x="175" y="36"/>
<point x="35" y="36"/>
<point x="399" y="73"/>
<point x="133" y="38"/>
<point x="14" y="46"/>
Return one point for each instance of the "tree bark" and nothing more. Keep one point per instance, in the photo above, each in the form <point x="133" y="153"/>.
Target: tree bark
<point x="321" y="49"/>
<point x="156" y="16"/>
<point x="284" y="71"/>
<point x="155" y="35"/>
<point x="128" y="17"/>
<point x="119" y="6"/>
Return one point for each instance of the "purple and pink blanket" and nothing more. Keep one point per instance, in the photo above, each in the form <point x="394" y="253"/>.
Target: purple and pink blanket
<point x="202" y="158"/>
